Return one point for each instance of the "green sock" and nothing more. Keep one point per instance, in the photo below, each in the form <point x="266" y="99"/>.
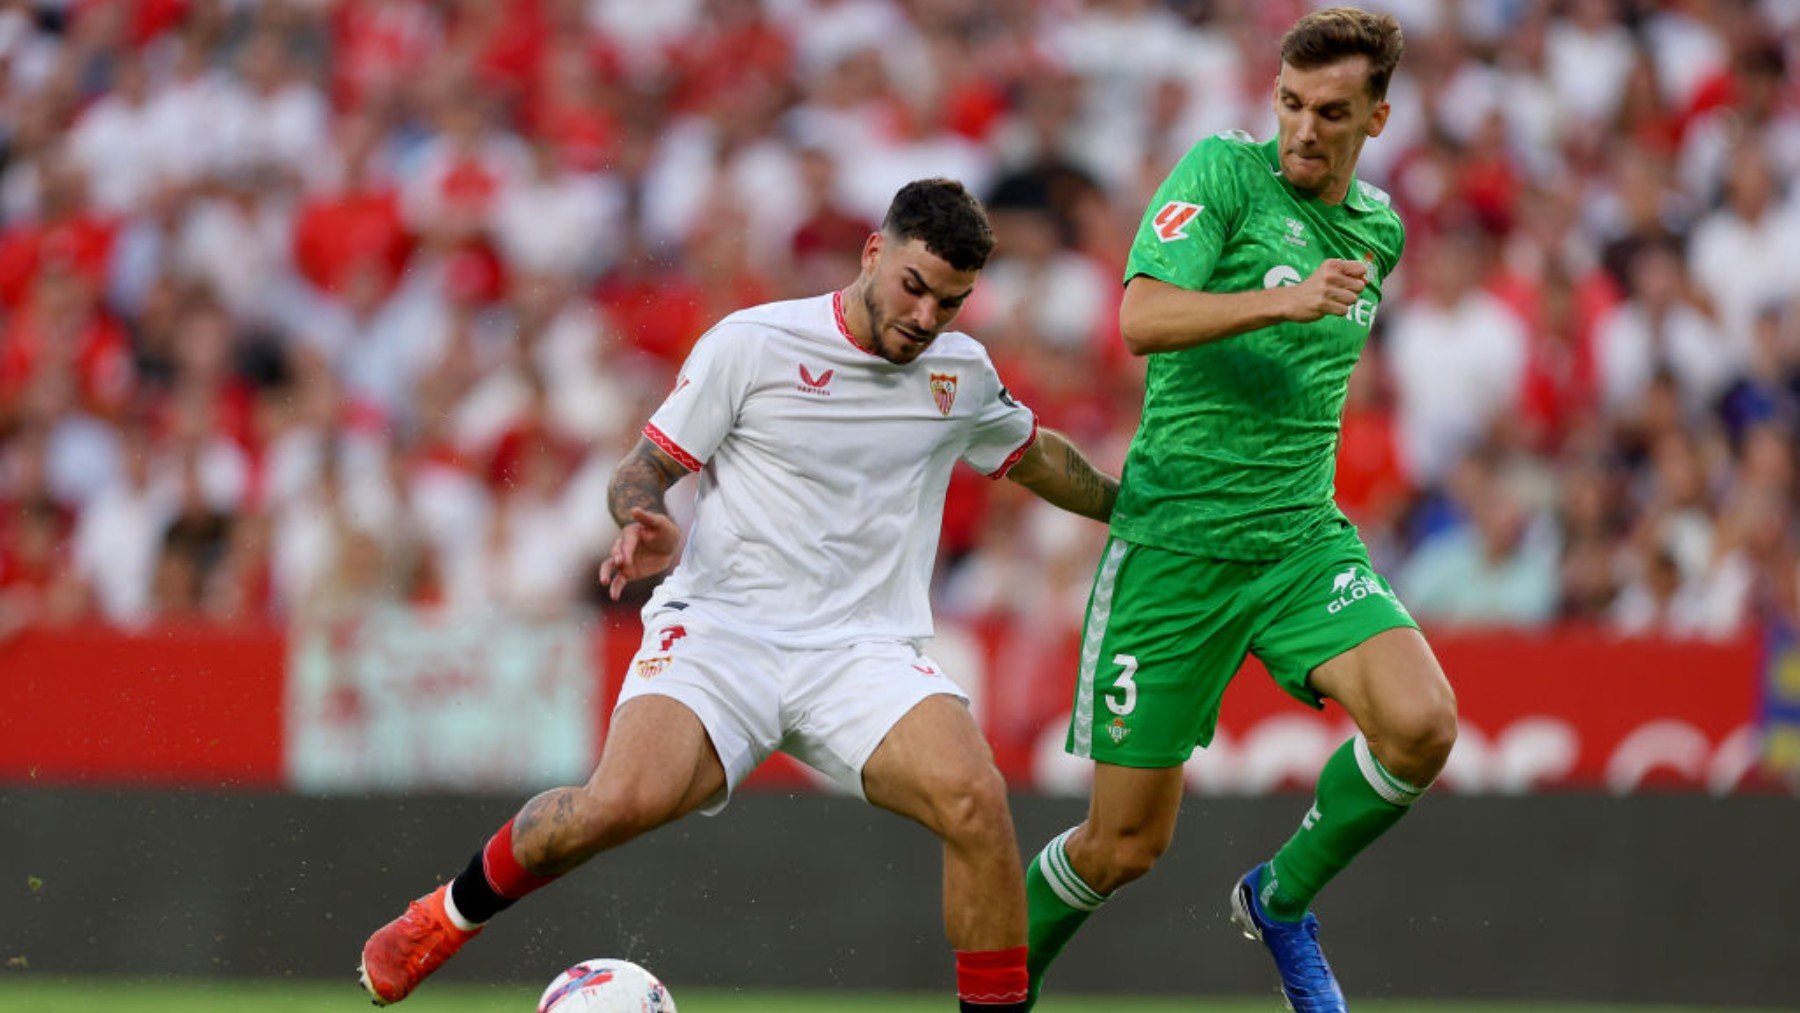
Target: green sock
<point x="1357" y="801"/>
<point x="1058" y="902"/>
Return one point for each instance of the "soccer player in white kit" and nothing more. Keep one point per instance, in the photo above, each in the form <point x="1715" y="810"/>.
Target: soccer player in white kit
<point x="823" y="432"/>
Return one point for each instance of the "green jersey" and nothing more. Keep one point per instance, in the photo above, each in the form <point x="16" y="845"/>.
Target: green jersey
<point x="1235" y="454"/>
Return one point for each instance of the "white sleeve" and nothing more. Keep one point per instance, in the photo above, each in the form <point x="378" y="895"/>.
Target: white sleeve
<point x="1001" y="430"/>
<point x="710" y="389"/>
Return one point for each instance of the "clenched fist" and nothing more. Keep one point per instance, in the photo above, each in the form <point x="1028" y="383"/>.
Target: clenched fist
<point x="1333" y="288"/>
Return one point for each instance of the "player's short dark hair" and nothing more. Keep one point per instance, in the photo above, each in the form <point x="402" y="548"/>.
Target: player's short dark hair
<point x="1338" y="33"/>
<point x="946" y="217"/>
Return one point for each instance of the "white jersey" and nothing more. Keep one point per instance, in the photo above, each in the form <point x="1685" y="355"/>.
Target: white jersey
<point x="822" y="472"/>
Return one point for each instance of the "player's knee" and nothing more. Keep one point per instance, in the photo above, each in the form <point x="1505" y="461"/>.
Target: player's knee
<point x="1438" y="738"/>
<point x="972" y="808"/>
<point x="615" y="813"/>
<point x="1421" y="744"/>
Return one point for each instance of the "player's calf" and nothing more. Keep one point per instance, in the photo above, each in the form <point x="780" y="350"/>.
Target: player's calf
<point x="1108" y="861"/>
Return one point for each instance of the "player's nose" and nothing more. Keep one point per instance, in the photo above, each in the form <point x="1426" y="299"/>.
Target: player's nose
<point x="1308" y="130"/>
<point x="925" y="313"/>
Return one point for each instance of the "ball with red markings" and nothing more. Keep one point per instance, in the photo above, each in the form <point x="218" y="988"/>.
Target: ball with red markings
<point x="606" y="986"/>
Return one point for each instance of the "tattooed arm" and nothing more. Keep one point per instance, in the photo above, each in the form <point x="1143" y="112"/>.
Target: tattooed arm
<point x="1055" y="470"/>
<point x="648" y="540"/>
<point x="640" y="482"/>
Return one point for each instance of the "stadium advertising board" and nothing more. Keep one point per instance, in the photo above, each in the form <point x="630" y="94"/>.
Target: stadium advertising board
<point x="395" y="702"/>
<point x="391" y="700"/>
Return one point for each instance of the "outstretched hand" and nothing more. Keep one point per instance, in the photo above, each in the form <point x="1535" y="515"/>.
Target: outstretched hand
<point x="644" y="548"/>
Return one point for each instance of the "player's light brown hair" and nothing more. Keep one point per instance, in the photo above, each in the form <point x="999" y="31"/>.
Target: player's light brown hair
<point x="1338" y="33"/>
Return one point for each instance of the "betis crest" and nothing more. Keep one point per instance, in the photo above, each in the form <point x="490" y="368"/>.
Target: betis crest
<point x="943" y="391"/>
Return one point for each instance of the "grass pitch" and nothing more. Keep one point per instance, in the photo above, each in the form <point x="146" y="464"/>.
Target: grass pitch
<point x="23" y="992"/>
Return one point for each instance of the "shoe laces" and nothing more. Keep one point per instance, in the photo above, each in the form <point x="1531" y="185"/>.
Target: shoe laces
<point x="1309" y="957"/>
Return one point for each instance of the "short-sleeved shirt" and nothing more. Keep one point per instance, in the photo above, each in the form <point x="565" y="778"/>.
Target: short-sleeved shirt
<point x="1236" y="450"/>
<point x="822" y="471"/>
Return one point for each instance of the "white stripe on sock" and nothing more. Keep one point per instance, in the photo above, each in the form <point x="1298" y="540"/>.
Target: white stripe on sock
<point x="1064" y="880"/>
<point x="1385" y="784"/>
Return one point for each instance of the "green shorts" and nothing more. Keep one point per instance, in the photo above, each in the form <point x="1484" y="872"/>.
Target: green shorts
<point x="1166" y="631"/>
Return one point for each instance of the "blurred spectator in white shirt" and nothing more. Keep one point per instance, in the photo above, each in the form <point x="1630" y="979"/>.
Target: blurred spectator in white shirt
<point x="239" y="241"/>
<point x="1760" y="113"/>
<point x="269" y="117"/>
<point x="558" y="221"/>
<point x="536" y="561"/>
<point x="185" y="114"/>
<point x="1458" y="359"/>
<point x="828" y="32"/>
<point x="1660" y="330"/>
<point x="119" y="535"/>
<point x="115" y="141"/>
<point x="1589" y="53"/>
<point x="1035" y="288"/>
<point x="1745" y="257"/>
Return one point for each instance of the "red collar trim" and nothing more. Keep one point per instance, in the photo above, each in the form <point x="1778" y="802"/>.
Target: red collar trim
<point x="843" y="323"/>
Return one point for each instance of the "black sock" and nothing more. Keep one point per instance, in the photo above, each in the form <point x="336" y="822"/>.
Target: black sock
<point x="475" y="898"/>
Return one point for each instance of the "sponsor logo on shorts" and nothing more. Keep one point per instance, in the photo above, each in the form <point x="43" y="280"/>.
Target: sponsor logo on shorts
<point x="1350" y="587"/>
<point x="650" y="668"/>
<point x="1118" y="731"/>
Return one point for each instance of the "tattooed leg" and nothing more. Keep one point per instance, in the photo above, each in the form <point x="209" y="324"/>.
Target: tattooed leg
<point x="658" y="766"/>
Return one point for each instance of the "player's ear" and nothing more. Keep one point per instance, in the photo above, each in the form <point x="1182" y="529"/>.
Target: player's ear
<point x="1378" y="119"/>
<point x="871" y="251"/>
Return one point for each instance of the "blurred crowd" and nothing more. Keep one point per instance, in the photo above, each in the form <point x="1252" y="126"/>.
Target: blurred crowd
<point x="306" y="304"/>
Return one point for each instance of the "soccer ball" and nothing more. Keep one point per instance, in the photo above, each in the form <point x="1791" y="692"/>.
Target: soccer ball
<point x="606" y="986"/>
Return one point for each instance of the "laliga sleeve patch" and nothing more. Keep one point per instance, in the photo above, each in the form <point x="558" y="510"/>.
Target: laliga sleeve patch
<point x="1171" y="222"/>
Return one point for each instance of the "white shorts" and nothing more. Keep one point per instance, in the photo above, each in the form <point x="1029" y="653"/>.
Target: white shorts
<point x="827" y="708"/>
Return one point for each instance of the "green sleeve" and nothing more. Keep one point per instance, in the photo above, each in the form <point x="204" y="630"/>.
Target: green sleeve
<point x="1195" y="210"/>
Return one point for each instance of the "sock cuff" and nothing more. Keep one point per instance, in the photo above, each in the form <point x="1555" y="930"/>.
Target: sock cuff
<point x="508" y="878"/>
<point x="1392" y="789"/>
<point x="1064" y="881"/>
<point x="452" y="912"/>
<point x="992" y="977"/>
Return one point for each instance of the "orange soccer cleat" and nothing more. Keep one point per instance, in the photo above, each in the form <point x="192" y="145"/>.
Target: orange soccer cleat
<point x="405" y="951"/>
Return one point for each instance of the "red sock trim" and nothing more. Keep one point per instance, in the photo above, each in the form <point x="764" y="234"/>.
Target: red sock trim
<point x="992" y="977"/>
<point x="504" y="873"/>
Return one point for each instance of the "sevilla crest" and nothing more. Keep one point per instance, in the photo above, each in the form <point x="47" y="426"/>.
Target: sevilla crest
<point x="943" y="391"/>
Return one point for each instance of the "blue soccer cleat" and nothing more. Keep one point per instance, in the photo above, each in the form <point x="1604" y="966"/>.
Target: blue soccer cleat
<point x="1306" y="979"/>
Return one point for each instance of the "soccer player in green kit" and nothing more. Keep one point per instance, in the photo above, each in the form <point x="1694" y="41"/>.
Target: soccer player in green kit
<point x="1251" y="287"/>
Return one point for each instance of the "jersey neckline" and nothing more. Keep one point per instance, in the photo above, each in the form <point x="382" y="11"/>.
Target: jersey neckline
<point x="843" y="324"/>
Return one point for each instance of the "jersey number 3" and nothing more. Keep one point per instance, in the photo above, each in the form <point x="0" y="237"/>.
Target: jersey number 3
<point x="1126" y="684"/>
<point x="1171" y="221"/>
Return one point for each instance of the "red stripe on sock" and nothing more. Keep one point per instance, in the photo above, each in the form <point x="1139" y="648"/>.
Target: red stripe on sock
<point x="504" y="873"/>
<point x="992" y="977"/>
